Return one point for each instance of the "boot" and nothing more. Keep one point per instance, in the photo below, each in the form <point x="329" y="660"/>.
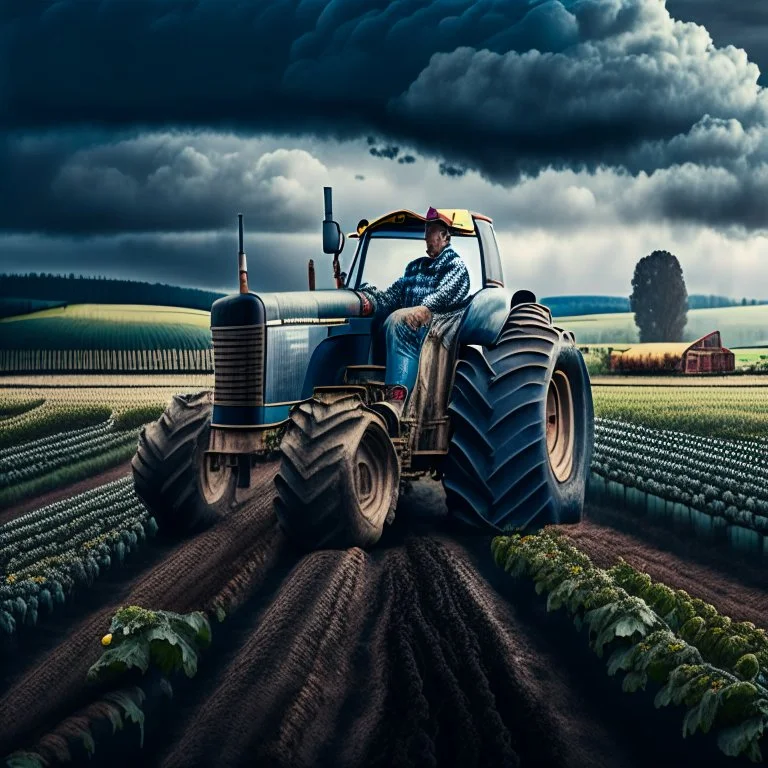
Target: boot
<point x="392" y="407"/>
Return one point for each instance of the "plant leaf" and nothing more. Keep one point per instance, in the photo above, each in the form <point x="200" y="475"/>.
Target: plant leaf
<point x="619" y="660"/>
<point x="25" y="760"/>
<point x="130" y="700"/>
<point x="132" y="652"/>
<point x="742" y="739"/>
<point x="702" y="715"/>
<point x="634" y="681"/>
<point x="628" y="625"/>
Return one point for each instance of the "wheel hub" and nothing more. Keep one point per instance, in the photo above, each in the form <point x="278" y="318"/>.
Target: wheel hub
<point x="560" y="426"/>
<point x="372" y="476"/>
<point x="214" y="478"/>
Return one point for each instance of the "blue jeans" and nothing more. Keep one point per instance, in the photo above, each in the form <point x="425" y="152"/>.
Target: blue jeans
<point x="403" y="348"/>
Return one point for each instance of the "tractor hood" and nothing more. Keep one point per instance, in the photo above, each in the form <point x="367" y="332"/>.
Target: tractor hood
<point x="310" y="306"/>
<point x="291" y="306"/>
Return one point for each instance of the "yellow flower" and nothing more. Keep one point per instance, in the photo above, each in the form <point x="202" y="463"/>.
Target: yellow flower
<point x="107" y="639"/>
<point x="575" y="569"/>
<point x="11" y="578"/>
<point x="674" y="647"/>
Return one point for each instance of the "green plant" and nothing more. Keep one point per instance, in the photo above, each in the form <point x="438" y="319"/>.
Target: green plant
<point x="139" y="637"/>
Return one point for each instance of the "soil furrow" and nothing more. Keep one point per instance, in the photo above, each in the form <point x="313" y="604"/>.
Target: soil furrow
<point x="193" y="573"/>
<point x="737" y="595"/>
<point x="365" y="701"/>
<point x="273" y="701"/>
<point x="421" y="652"/>
<point x="65" y="492"/>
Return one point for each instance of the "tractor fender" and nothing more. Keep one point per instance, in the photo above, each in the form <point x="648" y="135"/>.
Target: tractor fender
<point x="485" y="317"/>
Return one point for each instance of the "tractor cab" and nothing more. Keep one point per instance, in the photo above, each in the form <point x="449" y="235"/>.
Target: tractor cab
<point x="386" y="245"/>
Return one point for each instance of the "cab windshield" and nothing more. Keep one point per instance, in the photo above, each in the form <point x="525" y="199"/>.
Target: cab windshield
<point x="384" y="258"/>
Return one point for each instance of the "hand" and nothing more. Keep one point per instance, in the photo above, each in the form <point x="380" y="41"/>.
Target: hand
<point x="418" y="316"/>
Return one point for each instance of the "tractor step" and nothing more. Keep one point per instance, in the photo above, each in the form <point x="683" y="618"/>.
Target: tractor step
<point x="365" y="374"/>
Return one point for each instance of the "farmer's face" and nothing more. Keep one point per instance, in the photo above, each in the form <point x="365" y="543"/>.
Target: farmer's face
<point x="436" y="237"/>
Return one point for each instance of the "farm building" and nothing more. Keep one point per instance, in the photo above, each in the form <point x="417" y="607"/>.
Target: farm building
<point x="705" y="355"/>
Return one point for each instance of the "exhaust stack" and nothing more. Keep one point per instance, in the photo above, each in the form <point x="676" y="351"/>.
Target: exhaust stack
<point x="242" y="263"/>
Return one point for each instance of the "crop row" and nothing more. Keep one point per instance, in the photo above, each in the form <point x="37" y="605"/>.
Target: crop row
<point x="18" y="385"/>
<point x="73" y="409"/>
<point x="723" y="479"/>
<point x="712" y="666"/>
<point x="50" y="453"/>
<point x="727" y="412"/>
<point x="46" y="554"/>
<point x="105" y="360"/>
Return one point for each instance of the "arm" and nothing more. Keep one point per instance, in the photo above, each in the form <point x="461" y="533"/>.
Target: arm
<point x="385" y="302"/>
<point x="452" y="287"/>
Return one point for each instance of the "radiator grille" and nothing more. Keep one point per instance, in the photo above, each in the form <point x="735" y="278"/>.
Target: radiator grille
<point x="238" y="365"/>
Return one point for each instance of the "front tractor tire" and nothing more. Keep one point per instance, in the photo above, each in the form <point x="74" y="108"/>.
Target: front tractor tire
<point x="339" y="475"/>
<point x="171" y="473"/>
<point x="523" y="428"/>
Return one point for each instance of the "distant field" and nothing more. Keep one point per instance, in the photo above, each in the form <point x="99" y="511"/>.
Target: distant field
<point x="107" y="327"/>
<point x="180" y="382"/>
<point x="702" y="382"/>
<point x="750" y="356"/>
<point x="107" y="338"/>
<point x="738" y="326"/>
<point x="735" y="412"/>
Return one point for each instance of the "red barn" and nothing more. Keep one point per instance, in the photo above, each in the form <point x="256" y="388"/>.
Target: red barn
<point x="705" y="355"/>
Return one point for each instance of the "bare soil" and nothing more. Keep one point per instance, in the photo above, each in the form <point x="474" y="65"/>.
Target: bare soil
<point x="421" y="652"/>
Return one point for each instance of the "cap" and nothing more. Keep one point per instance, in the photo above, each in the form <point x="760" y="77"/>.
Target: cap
<point x="434" y="215"/>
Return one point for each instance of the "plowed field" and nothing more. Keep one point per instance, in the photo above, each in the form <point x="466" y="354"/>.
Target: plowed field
<point x="420" y="652"/>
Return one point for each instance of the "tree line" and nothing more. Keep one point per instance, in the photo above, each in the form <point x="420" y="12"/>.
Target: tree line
<point x="102" y="290"/>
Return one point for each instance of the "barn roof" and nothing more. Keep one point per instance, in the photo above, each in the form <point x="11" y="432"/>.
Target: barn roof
<point x="659" y="348"/>
<point x="678" y="348"/>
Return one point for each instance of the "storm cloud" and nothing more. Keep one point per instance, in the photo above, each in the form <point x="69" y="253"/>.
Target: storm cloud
<point x="508" y="88"/>
<point x="156" y="182"/>
<point x="742" y="23"/>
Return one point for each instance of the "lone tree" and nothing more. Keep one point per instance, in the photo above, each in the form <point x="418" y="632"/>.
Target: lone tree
<point x="659" y="299"/>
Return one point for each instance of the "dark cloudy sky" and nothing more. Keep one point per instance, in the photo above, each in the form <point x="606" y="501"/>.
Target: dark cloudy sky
<point x="133" y="131"/>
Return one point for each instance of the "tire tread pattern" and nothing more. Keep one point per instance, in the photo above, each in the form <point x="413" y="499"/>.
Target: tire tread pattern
<point x="165" y="470"/>
<point x="496" y="474"/>
<point x="316" y="503"/>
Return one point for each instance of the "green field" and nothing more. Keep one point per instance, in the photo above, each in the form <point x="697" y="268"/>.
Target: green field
<point x="751" y="355"/>
<point x="738" y="326"/>
<point x="736" y="412"/>
<point x="107" y="326"/>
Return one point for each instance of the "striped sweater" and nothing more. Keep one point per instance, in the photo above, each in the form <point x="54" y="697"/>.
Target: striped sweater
<point x="440" y="284"/>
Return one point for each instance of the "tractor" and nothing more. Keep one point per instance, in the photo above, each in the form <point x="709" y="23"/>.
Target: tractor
<point x="501" y="411"/>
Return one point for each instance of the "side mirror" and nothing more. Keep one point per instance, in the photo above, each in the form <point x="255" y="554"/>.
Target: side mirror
<point x="332" y="237"/>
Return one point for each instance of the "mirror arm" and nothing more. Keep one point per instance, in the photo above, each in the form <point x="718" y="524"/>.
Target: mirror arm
<point x="337" y="276"/>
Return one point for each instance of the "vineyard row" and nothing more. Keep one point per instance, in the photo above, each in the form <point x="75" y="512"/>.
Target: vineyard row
<point x="106" y="360"/>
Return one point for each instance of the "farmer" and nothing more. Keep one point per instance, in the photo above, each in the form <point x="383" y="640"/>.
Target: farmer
<point x="432" y="285"/>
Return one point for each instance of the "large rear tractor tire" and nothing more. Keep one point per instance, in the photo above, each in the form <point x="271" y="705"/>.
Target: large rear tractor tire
<point x="523" y="428"/>
<point x="171" y="474"/>
<point x="339" y="475"/>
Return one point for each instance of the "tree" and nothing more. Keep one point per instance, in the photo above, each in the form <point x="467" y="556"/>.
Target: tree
<point x="659" y="298"/>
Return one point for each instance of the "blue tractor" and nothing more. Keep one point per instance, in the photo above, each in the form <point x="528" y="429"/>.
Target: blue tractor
<point x="501" y="411"/>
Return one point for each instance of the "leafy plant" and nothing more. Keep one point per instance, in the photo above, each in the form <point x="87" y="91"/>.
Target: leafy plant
<point x="141" y="637"/>
<point x="644" y="647"/>
<point x="739" y="647"/>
